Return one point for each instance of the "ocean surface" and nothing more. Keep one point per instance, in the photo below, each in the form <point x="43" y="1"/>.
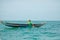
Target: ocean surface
<point x="49" y="31"/>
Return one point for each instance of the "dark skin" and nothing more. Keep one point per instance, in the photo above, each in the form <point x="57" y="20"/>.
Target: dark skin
<point x="30" y="23"/>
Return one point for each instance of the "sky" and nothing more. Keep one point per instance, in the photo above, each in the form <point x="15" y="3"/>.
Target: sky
<point x="30" y="9"/>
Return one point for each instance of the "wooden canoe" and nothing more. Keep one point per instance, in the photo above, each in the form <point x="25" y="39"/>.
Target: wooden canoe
<point x="22" y="25"/>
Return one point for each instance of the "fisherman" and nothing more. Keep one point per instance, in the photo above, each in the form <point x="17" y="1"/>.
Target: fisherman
<point x="29" y="23"/>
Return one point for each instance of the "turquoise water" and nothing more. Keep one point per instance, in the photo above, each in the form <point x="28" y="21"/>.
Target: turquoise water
<point x="49" y="31"/>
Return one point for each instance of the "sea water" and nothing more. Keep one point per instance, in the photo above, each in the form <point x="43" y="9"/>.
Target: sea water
<point x="49" y="31"/>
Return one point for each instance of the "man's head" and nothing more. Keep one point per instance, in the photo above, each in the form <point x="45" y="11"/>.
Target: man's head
<point x="29" y="20"/>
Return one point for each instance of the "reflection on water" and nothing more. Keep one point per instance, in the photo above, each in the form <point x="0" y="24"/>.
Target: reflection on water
<point x="49" y="31"/>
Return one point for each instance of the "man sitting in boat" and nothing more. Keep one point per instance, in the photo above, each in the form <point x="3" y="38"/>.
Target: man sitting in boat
<point x="29" y="22"/>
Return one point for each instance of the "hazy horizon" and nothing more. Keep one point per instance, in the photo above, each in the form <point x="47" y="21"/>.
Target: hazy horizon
<point x="44" y="10"/>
